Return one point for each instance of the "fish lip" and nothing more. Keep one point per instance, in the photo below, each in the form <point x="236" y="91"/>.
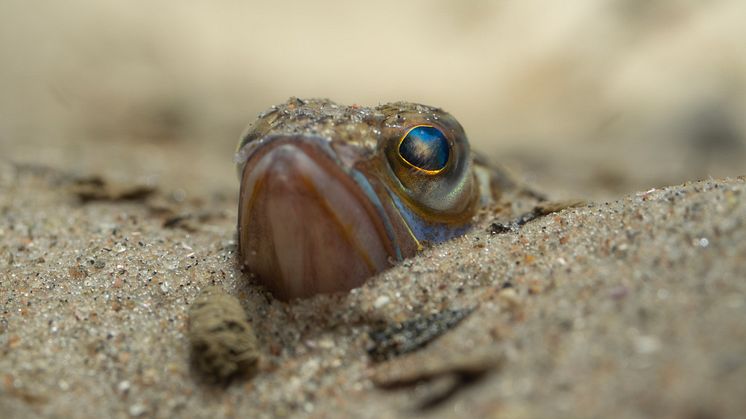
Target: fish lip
<point x="260" y="145"/>
<point x="319" y="151"/>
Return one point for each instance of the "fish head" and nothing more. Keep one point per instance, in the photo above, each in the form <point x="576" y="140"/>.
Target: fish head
<point x="331" y="195"/>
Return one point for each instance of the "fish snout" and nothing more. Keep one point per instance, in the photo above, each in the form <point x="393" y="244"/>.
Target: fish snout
<point x="305" y="227"/>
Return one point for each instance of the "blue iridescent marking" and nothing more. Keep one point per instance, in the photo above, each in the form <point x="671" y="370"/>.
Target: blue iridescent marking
<point x="362" y="181"/>
<point x="424" y="231"/>
<point x="425" y="148"/>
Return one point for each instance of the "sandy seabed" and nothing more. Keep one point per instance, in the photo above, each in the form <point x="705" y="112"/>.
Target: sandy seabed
<point x="631" y="308"/>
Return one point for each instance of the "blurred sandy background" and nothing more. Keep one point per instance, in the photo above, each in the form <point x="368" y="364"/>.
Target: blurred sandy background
<point x="581" y="97"/>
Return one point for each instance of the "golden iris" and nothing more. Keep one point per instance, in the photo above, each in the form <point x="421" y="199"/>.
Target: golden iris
<point x="426" y="148"/>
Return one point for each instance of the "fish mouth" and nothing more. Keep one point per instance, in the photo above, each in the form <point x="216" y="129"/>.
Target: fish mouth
<point x="305" y="226"/>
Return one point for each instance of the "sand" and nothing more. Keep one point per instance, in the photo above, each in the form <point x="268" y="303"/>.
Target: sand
<point x="630" y="308"/>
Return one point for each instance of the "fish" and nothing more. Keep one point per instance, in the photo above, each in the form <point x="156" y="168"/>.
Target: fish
<point x="330" y="195"/>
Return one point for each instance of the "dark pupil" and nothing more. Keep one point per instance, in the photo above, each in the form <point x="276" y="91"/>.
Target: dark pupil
<point x="425" y="148"/>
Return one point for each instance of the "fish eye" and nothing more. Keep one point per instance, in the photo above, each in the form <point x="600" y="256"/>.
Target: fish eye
<point x="426" y="148"/>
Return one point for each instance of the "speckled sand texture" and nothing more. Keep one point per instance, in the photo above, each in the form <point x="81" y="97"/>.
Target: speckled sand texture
<point x="633" y="308"/>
